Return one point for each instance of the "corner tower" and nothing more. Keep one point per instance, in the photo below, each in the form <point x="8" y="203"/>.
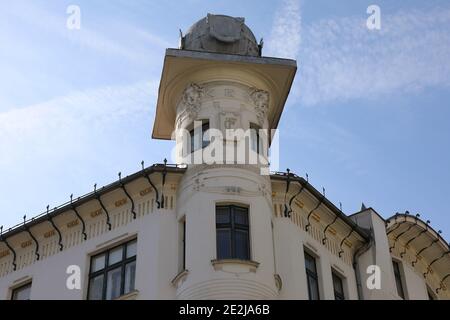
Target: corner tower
<point x="218" y="80"/>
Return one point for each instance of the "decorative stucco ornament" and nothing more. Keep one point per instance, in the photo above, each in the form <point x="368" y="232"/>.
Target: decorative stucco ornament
<point x="260" y="100"/>
<point x="192" y="99"/>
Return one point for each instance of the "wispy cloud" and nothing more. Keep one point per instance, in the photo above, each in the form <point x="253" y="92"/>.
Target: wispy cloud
<point x="119" y="39"/>
<point x="341" y="59"/>
<point x="71" y="126"/>
<point x="285" y="36"/>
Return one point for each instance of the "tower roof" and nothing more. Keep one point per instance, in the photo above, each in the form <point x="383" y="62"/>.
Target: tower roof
<point x="221" y="34"/>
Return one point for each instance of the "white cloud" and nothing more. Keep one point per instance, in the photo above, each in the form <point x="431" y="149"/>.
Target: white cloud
<point x="284" y="39"/>
<point x="341" y="59"/>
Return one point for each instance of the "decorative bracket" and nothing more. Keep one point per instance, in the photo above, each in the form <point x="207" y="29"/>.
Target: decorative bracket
<point x="316" y="207"/>
<point x="400" y="234"/>
<point x="293" y="197"/>
<point x="433" y="262"/>
<point x="326" y="228"/>
<point x="3" y="239"/>
<point x="414" y="238"/>
<point x="164" y="173"/>
<point x="442" y="286"/>
<point x="99" y="199"/>
<point x="50" y="219"/>
<point x="27" y="229"/>
<point x="122" y="185"/>
<point x="422" y="250"/>
<point x="343" y="240"/>
<point x="288" y="183"/>
<point x="147" y="176"/>
<point x="74" y="209"/>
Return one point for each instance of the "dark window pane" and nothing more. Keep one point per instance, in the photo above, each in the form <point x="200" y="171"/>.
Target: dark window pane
<point x="313" y="287"/>
<point x="205" y="133"/>
<point x="241" y="216"/>
<point x="96" y="288"/>
<point x="310" y="263"/>
<point x="113" y="284"/>
<point x="311" y="277"/>
<point x="241" y="245"/>
<point x="398" y="279"/>
<point x="338" y="287"/>
<point x="223" y="244"/>
<point x="130" y="275"/>
<point x="22" y="293"/>
<point x="98" y="263"/>
<point x="223" y="215"/>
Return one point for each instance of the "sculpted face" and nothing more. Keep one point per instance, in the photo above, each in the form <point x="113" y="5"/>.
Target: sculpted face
<point x="260" y="98"/>
<point x="192" y="95"/>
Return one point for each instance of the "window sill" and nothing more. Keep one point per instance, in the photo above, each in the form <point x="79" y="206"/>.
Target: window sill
<point x="235" y="265"/>
<point x="179" y="278"/>
<point x="129" y="296"/>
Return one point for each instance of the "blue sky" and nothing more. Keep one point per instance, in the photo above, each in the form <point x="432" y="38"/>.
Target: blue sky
<point x="367" y="118"/>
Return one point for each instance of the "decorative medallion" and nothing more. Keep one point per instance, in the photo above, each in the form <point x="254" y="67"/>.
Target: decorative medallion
<point x="72" y="223"/>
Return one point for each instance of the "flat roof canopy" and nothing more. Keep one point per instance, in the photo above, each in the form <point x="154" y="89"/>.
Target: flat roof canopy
<point x="182" y="67"/>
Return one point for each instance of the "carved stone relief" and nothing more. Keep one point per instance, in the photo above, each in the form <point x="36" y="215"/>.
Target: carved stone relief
<point x="192" y="99"/>
<point x="260" y="99"/>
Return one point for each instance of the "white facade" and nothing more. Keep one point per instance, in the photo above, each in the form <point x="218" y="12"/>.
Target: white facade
<point x="171" y="210"/>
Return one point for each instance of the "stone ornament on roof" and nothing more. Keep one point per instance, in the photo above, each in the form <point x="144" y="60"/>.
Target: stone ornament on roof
<point x="221" y="34"/>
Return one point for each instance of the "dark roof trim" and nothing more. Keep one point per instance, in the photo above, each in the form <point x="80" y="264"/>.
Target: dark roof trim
<point x="90" y="196"/>
<point x="283" y="176"/>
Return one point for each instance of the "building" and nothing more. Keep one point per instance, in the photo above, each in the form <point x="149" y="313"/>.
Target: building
<point x="220" y="231"/>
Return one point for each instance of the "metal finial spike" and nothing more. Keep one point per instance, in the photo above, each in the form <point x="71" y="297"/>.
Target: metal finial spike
<point x="165" y="161"/>
<point x="142" y="164"/>
<point x="307" y="177"/>
<point x="340" y="205"/>
<point x="71" y="197"/>
<point x="288" y="171"/>
<point x="120" y="175"/>
<point x="323" y="191"/>
<point x="1" y="230"/>
<point x="24" y="218"/>
<point x="95" y="187"/>
<point x="48" y="206"/>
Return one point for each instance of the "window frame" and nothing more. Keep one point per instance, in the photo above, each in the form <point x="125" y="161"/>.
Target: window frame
<point x="234" y="228"/>
<point x="398" y="277"/>
<point x="311" y="274"/>
<point x="20" y="287"/>
<point x="108" y="268"/>
<point x="338" y="295"/>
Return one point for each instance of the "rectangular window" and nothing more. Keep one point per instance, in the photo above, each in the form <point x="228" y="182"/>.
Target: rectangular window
<point x="113" y="272"/>
<point x="398" y="279"/>
<point x="338" y="287"/>
<point x="312" y="277"/>
<point x="199" y="136"/>
<point x="232" y="229"/>
<point x="22" y="292"/>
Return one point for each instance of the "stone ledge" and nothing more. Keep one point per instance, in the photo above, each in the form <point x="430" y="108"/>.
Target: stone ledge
<point x="224" y="264"/>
